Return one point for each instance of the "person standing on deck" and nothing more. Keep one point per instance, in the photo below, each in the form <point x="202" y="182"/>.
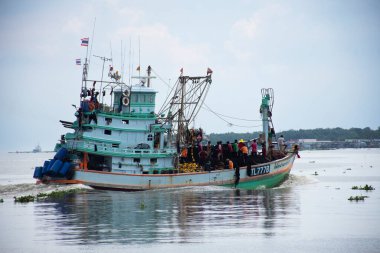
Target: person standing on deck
<point x="237" y="176"/>
<point x="254" y="148"/>
<point x="281" y="143"/>
<point x="209" y="149"/>
<point x="202" y="158"/>
<point x="244" y="151"/>
<point x="241" y="144"/>
<point x="184" y="155"/>
<point x="230" y="150"/>
<point x="235" y="149"/>
<point x="220" y="151"/>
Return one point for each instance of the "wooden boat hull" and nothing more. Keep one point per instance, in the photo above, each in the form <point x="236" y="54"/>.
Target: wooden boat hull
<point x="264" y="175"/>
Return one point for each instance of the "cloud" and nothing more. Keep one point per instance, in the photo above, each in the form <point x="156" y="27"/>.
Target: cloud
<point x="159" y="43"/>
<point x="73" y="25"/>
<point x="262" y="26"/>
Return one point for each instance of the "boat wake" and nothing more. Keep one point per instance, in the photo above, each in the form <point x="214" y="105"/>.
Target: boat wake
<point x="12" y="190"/>
<point x="296" y="180"/>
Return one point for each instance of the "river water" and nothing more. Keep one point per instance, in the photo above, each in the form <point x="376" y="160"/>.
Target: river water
<point x="308" y="213"/>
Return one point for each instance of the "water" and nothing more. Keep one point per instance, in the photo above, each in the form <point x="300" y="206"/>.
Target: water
<point x="308" y="213"/>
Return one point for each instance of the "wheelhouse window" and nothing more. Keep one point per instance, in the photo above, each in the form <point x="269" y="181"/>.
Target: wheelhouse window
<point x="107" y="132"/>
<point x="108" y="121"/>
<point x="153" y="160"/>
<point x="135" y="98"/>
<point x="136" y="160"/>
<point x="150" y="137"/>
<point x="115" y="145"/>
<point x="125" y="121"/>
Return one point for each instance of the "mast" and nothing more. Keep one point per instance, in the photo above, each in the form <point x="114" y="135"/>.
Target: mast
<point x="183" y="104"/>
<point x="180" y="111"/>
<point x="149" y="71"/>
<point x="266" y="112"/>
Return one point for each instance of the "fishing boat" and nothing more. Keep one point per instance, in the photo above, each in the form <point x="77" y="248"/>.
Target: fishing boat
<point x="118" y="141"/>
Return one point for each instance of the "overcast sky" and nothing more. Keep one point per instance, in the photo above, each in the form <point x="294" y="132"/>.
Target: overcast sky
<point x="322" y="58"/>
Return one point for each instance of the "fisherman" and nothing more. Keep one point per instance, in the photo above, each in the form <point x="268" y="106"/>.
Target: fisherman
<point x="237" y="176"/>
<point x="202" y="157"/>
<point x="235" y="149"/>
<point x="79" y="115"/>
<point x="220" y="151"/>
<point x="209" y="149"/>
<point x="230" y="150"/>
<point x="254" y="148"/>
<point x="230" y="164"/>
<point x="184" y="155"/>
<point x="244" y="152"/>
<point x="241" y="144"/>
<point x="281" y="143"/>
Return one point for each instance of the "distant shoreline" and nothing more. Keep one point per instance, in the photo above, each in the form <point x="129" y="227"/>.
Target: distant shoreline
<point x="23" y="152"/>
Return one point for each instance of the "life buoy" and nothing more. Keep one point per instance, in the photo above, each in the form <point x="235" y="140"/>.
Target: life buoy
<point x="126" y="93"/>
<point x="91" y="106"/>
<point x="125" y="101"/>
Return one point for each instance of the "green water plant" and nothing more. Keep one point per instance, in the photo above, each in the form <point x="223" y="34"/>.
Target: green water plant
<point x="357" y="198"/>
<point x="24" y="199"/>
<point x="57" y="194"/>
<point x="365" y="188"/>
<point x="1" y="200"/>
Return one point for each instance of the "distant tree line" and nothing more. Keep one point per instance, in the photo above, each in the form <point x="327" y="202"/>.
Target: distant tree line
<point x="322" y="134"/>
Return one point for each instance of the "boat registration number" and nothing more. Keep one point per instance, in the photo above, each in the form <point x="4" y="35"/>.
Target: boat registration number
<point x="261" y="170"/>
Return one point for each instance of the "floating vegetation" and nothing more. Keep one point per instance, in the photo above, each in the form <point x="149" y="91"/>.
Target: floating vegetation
<point x="315" y="174"/>
<point x="364" y="188"/>
<point x="142" y="205"/>
<point x="357" y="198"/>
<point x="51" y="195"/>
<point x="1" y="200"/>
<point x="24" y="199"/>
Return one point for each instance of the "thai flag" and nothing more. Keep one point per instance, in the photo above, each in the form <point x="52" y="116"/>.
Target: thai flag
<point x="85" y="42"/>
<point x="78" y="61"/>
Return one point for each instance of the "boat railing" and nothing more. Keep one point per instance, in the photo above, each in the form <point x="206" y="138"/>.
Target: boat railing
<point x="103" y="147"/>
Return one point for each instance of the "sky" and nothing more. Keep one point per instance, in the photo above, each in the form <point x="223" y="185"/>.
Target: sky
<point x="322" y="58"/>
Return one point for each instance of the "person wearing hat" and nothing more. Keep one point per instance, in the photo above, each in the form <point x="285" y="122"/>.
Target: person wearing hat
<point x="241" y="144"/>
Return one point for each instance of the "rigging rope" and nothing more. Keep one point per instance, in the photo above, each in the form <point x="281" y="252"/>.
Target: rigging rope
<point x="205" y="106"/>
<point x="229" y="123"/>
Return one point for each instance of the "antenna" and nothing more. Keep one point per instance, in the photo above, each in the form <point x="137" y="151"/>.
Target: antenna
<point x="121" y="60"/>
<point x="139" y="58"/>
<point x="93" y="36"/>
<point x="122" y="75"/>
<point x="111" y="53"/>
<point x="129" y="71"/>
<point x="104" y="59"/>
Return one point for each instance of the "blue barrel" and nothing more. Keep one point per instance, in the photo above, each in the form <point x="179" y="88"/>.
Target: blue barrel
<point x="45" y="167"/>
<point x="56" y="167"/>
<point x="65" y="168"/>
<point x="37" y="173"/>
<point x="61" y="154"/>
<point x="49" y="171"/>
